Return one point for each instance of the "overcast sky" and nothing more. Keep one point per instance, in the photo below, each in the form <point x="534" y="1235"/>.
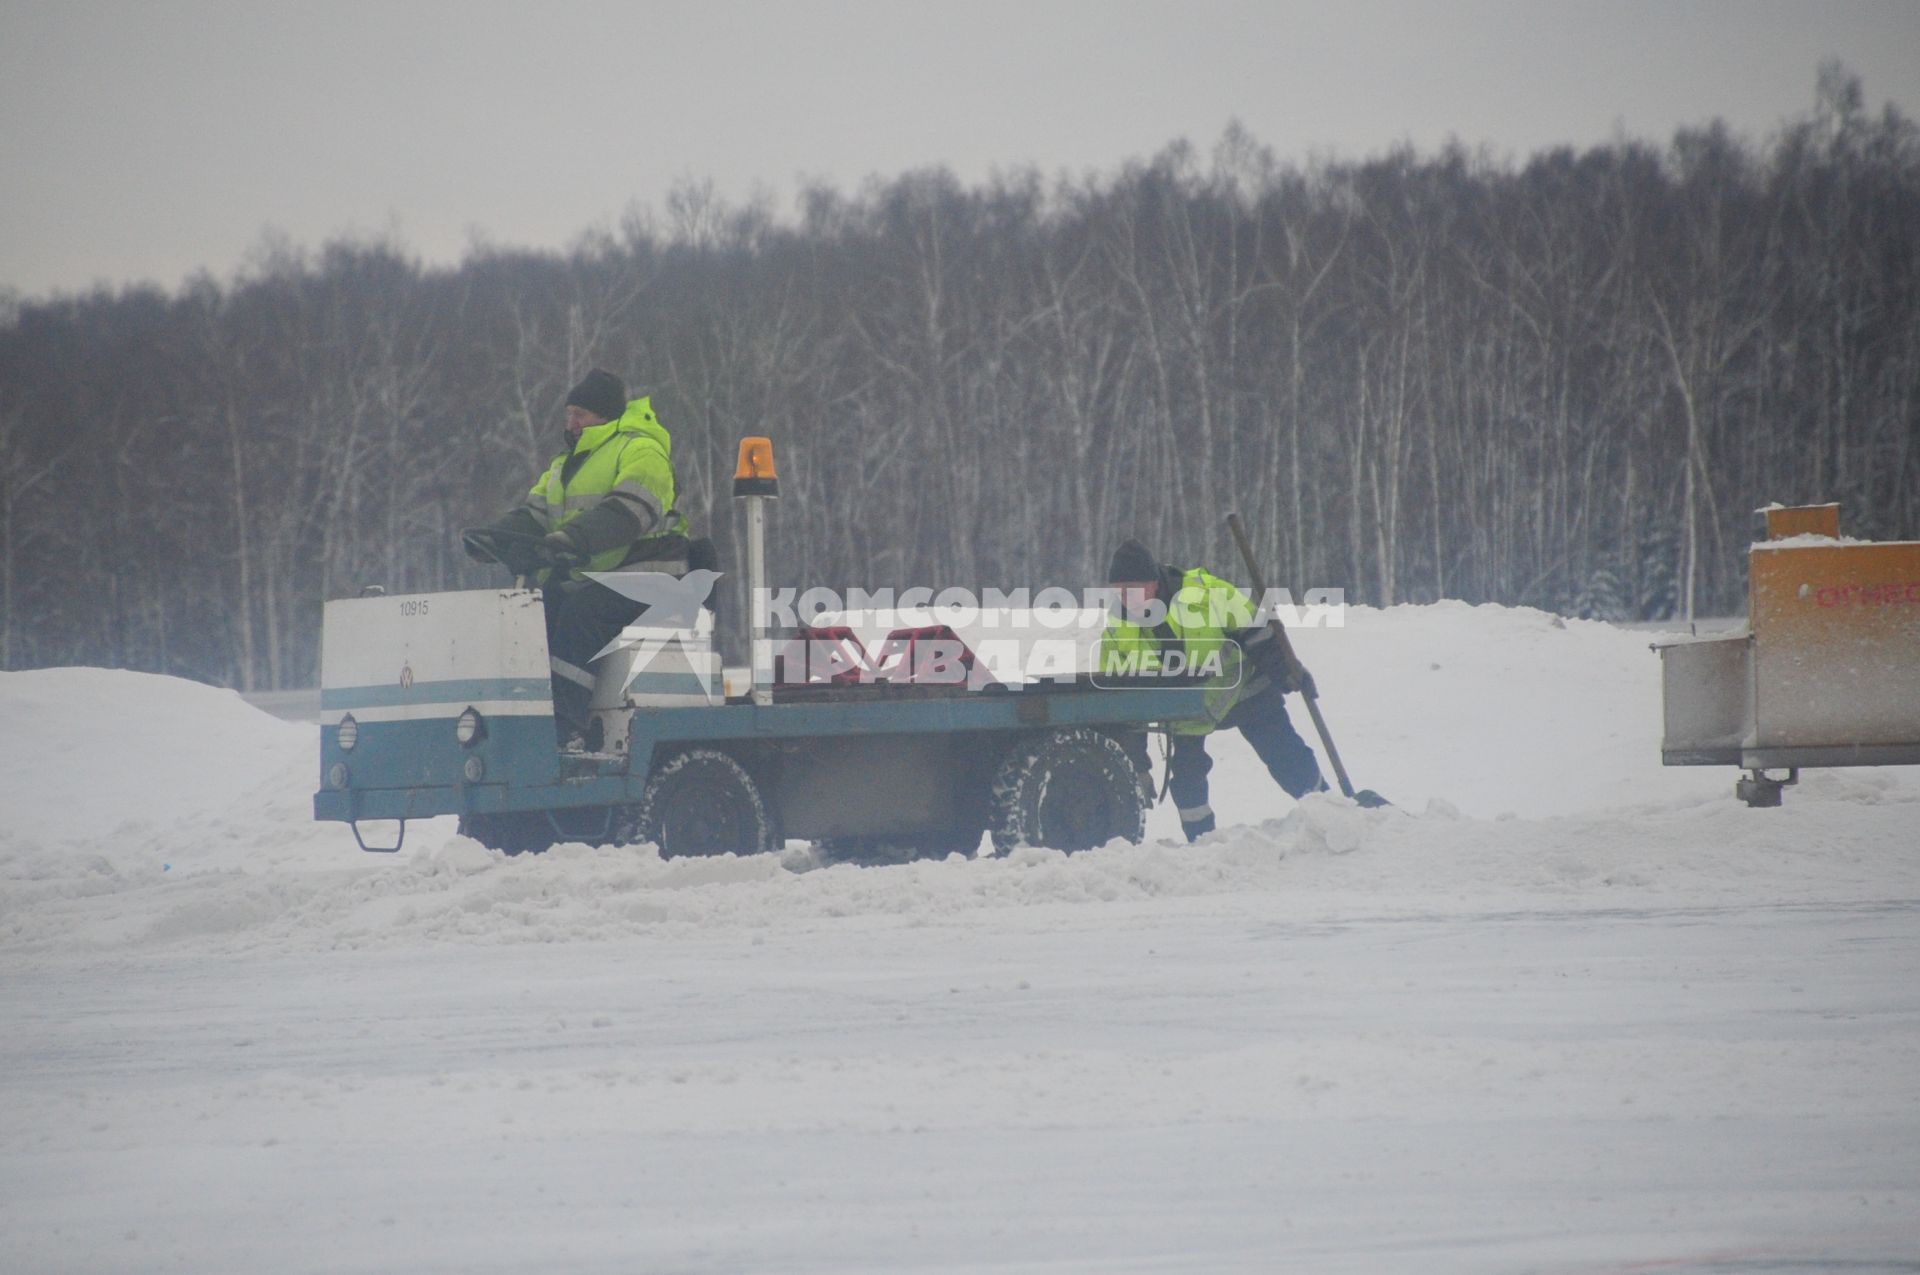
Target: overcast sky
<point x="143" y="141"/>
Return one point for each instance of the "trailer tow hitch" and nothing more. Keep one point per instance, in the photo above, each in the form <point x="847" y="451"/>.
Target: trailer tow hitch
<point x="398" y="839"/>
<point x="1761" y="790"/>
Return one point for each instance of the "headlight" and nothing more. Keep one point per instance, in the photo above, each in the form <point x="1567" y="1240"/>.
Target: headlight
<point x="337" y="774"/>
<point x="349" y="733"/>
<point x="470" y="729"/>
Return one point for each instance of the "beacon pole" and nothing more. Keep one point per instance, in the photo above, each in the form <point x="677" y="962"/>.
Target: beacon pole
<point x="755" y="482"/>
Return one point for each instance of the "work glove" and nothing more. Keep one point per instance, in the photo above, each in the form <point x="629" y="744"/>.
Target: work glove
<point x="507" y="540"/>
<point x="1263" y="653"/>
<point x="486" y="544"/>
<point x="1269" y="661"/>
<point x="562" y="548"/>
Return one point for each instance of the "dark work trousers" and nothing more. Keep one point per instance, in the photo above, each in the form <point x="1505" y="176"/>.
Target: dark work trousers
<point x="582" y="617"/>
<point x="1262" y="718"/>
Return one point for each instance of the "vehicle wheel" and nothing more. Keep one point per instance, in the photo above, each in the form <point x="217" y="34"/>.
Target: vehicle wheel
<point x="702" y="801"/>
<point x="515" y="832"/>
<point x="1067" y="790"/>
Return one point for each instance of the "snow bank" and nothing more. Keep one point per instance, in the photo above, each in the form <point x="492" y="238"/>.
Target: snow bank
<point x="150" y="814"/>
<point x="86" y="750"/>
<point x="1497" y="710"/>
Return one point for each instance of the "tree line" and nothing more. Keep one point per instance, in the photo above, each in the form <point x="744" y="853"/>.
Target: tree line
<point x="1564" y="383"/>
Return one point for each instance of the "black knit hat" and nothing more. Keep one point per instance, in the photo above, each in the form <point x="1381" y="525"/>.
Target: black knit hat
<point x="601" y="393"/>
<point x="1132" y="564"/>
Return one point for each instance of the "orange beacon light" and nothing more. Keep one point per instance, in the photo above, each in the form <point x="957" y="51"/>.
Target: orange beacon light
<point x="754" y="474"/>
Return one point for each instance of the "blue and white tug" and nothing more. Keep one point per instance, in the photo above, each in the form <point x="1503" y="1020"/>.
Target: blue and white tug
<point x="441" y="704"/>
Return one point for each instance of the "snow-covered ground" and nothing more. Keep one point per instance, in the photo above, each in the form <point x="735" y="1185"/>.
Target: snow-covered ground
<point x="1561" y="1010"/>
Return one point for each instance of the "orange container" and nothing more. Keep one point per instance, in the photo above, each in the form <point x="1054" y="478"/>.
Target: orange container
<point x="1802" y="520"/>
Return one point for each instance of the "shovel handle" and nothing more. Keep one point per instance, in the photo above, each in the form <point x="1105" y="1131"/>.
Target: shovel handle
<point x="1295" y="669"/>
<point x="1301" y="678"/>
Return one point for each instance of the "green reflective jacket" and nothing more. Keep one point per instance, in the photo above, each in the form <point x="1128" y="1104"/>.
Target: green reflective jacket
<point x="1203" y="614"/>
<point x="628" y="462"/>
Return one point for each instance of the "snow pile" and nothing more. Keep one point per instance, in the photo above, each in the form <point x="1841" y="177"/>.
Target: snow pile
<point x="1496" y="710"/>
<point x="146" y="813"/>
<point x="87" y="750"/>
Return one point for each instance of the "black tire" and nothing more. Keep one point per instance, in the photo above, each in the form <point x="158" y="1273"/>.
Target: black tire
<point x="701" y="801"/>
<point x="1066" y="790"/>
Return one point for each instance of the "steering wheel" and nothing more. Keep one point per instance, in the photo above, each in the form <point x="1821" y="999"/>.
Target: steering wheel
<point x="520" y="552"/>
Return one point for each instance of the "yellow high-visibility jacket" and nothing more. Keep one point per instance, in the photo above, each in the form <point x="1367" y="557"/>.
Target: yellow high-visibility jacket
<point x="626" y="464"/>
<point x="1203" y="614"/>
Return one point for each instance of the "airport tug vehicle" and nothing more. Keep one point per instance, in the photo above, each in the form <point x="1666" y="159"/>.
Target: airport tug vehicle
<point x="441" y="704"/>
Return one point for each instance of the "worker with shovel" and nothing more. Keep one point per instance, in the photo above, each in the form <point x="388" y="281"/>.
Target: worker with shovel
<point x="1187" y="618"/>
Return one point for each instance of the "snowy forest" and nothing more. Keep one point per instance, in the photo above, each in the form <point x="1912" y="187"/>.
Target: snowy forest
<point x="1564" y="381"/>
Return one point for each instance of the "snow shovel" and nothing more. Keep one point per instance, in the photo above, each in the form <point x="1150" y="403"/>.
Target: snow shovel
<point x="1302" y="679"/>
